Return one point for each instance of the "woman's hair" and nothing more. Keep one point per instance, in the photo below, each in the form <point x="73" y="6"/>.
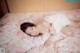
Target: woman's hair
<point x="25" y="25"/>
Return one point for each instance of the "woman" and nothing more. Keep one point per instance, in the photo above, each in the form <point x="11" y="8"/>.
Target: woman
<point x="39" y="27"/>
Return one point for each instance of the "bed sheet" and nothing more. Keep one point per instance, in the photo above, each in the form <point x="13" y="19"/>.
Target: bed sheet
<point x="13" y="40"/>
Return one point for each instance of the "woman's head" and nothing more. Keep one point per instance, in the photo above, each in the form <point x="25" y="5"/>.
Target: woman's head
<point x="30" y="29"/>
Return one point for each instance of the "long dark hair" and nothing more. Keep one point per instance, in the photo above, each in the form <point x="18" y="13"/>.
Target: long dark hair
<point x="25" y="25"/>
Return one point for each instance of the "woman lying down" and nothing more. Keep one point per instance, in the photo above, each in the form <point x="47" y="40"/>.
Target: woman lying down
<point x="38" y="28"/>
<point x="72" y="30"/>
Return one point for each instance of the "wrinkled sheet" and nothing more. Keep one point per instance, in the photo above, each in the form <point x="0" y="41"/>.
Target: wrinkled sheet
<point x="13" y="40"/>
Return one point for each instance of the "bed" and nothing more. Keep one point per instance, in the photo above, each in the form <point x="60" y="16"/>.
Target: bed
<point x="13" y="40"/>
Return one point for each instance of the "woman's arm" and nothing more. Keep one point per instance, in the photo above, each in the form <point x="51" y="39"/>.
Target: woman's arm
<point x="37" y="20"/>
<point x="66" y="30"/>
<point x="52" y="29"/>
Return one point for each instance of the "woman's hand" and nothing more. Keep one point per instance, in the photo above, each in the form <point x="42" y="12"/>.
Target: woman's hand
<point x="52" y="30"/>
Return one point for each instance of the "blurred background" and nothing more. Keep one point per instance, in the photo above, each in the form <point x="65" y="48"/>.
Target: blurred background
<point x="23" y="6"/>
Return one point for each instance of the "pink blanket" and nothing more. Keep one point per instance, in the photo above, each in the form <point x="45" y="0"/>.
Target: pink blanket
<point x="13" y="40"/>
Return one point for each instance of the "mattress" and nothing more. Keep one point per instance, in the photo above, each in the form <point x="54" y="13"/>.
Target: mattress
<point x="14" y="40"/>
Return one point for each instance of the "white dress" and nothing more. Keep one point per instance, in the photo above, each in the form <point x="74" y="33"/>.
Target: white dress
<point x="59" y="20"/>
